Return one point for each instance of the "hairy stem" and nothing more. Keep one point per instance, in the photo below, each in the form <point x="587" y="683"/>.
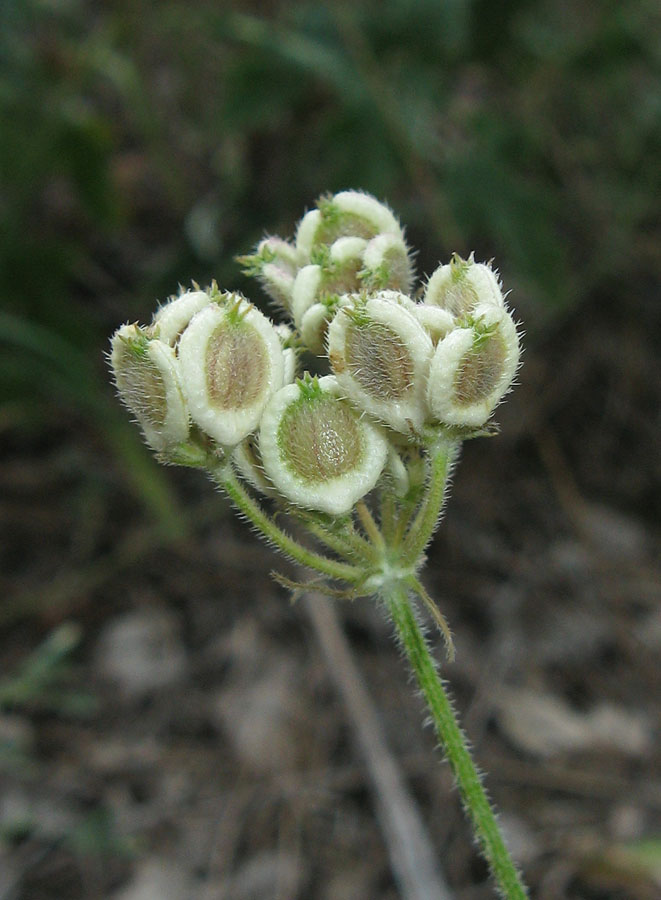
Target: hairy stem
<point x="370" y="526"/>
<point x="337" y="542"/>
<point x="388" y="516"/>
<point x="453" y="742"/>
<point x="226" y="478"/>
<point x="441" y="456"/>
<point x="345" y="541"/>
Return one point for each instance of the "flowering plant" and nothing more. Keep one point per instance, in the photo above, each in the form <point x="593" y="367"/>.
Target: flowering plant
<point x="359" y="456"/>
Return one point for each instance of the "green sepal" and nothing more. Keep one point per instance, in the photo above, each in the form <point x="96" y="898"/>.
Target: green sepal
<point x="252" y="264"/>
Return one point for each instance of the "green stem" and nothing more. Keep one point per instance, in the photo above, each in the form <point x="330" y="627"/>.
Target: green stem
<point x="453" y="743"/>
<point x="344" y="540"/>
<point x="388" y="516"/>
<point x="226" y="478"/>
<point x="404" y="516"/>
<point x="370" y="526"/>
<point x="422" y="528"/>
<point x="343" y="543"/>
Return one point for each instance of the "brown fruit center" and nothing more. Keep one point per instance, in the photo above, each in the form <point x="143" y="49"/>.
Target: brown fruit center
<point x="320" y="440"/>
<point x="480" y="371"/>
<point x="237" y="366"/>
<point x="379" y="361"/>
<point x="141" y="385"/>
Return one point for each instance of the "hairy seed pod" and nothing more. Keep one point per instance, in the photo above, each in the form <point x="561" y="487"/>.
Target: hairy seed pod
<point x="473" y="367"/>
<point x="437" y="322"/>
<point x="356" y="213"/>
<point x="463" y="285"/>
<point x="345" y="214"/>
<point x="287" y="337"/>
<point x="148" y="381"/>
<point x="306" y="290"/>
<point x="170" y="319"/>
<point x="306" y="234"/>
<point x="348" y="250"/>
<point x="317" y="449"/>
<point x="380" y="355"/>
<point x="247" y="459"/>
<point x="231" y="363"/>
<point x="274" y="263"/>
<point x="314" y="327"/>
<point x="341" y="272"/>
<point x="387" y="264"/>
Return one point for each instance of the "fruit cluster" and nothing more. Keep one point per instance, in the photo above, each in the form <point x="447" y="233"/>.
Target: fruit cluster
<point x="213" y="378"/>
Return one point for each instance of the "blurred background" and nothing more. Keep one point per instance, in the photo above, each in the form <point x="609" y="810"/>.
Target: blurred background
<point x="168" y="727"/>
